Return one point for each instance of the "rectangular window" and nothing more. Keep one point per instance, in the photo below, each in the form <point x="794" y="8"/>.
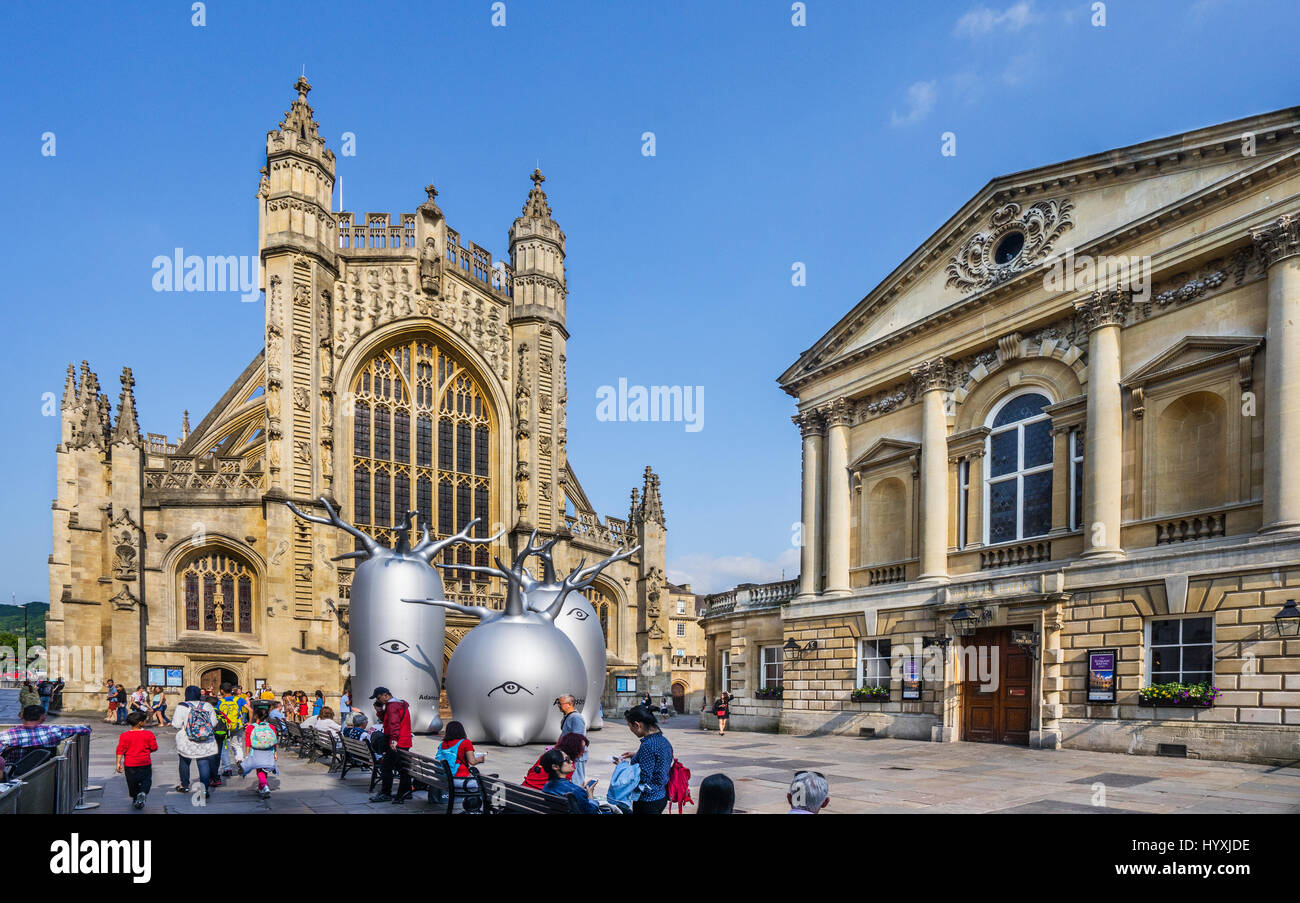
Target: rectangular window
<point x="245" y="605"/>
<point x="383" y="515"/>
<point x="191" y="601"/>
<point x="383" y="425"/>
<point x="963" y="500"/>
<point x="463" y="462"/>
<point x="874" y="668"/>
<point x="681" y="606"/>
<point x="481" y="451"/>
<point x="401" y="436"/>
<point x="444" y="445"/>
<point x="423" y="442"/>
<point x="424" y="500"/>
<point x="361" y="430"/>
<point x="681" y="630"/>
<point x="228" y="604"/>
<point x="724" y="674"/>
<point x="1180" y="650"/>
<point x="361" y="496"/>
<point x="1076" y="480"/>
<point x="771" y="663"/>
<point x="444" y="509"/>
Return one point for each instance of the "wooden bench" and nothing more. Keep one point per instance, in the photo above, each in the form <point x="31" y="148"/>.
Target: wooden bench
<point x="325" y="744"/>
<point x="294" y="733"/>
<point x="504" y="798"/>
<point x="358" y="754"/>
<point x="435" y="777"/>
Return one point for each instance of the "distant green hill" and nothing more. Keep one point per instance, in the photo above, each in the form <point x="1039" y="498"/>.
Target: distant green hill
<point x="11" y="621"/>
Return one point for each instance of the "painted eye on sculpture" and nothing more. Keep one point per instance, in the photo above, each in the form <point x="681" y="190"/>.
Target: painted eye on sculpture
<point x="397" y="647"/>
<point x="578" y="613"/>
<point x="510" y="688"/>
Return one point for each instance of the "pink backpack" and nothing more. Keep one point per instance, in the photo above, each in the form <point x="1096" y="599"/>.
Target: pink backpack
<point x="679" y="786"/>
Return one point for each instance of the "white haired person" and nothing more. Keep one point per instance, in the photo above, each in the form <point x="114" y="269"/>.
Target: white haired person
<point x="809" y="793"/>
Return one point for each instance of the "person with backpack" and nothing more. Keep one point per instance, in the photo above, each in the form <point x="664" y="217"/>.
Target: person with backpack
<point x="222" y="732"/>
<point x="233" y="710"/>
<point x="260" y="740"/>
<point x="196" y="738"/>
<point x="655" y="756"/>
<point x="459" y="754"/>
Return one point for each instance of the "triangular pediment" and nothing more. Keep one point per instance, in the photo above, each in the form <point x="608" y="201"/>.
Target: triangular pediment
<point x="884" y="451"/>
<point x="1196" y="352"/>
<point x="1092" y="205"/>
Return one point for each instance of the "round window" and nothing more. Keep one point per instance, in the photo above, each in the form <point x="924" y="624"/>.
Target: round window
<point x="1009" y="248"/>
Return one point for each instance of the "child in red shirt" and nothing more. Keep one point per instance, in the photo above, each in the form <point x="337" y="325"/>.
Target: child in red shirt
<point x="133" y="759"/>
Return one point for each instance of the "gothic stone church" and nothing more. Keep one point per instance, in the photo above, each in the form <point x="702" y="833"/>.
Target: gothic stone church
<point x="401" y="371"/>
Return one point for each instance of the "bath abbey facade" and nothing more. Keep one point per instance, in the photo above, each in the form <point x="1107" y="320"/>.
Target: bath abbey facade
<point x="402" y="370"/>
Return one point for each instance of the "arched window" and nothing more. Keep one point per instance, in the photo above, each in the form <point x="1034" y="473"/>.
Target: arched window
<point x="604" y="606"/>
<point x="217" y="592"/>
<point x="421" y="436"/>
<point x="1018" y="478"/>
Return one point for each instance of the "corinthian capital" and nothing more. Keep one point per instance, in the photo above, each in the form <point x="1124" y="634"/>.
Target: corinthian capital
<point x="1278" y="240"/>
<point x="936" y="373"/>
<point x="838" y="413"/>
<point x="810" y="423"/>
<point x="1108" y="308"/>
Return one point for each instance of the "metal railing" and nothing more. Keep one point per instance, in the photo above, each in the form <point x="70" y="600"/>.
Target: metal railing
<point x="56" y="787"/>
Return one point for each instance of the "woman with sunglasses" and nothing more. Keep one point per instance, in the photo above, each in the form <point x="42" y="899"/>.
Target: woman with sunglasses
<point x="558" y="766"/>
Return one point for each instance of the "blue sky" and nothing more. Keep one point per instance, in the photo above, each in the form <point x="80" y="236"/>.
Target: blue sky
<point x="774" y="144"/>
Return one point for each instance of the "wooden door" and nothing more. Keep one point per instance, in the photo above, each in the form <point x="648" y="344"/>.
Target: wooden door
<point x="679" y="698"/>
<point x="997" y="711"/>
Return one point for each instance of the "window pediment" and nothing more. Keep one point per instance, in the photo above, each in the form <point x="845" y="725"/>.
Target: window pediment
<point x="1193" y="354"/>
<point x="886" y="451"/>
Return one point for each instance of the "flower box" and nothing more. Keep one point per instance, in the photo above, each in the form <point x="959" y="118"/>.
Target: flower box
<point x="1200" y="695"/>
<point x="870" y="694"/>
<point x="769" y="693"/>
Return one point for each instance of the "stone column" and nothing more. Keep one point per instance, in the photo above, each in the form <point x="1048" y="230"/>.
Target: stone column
<point x="837" y="414"/>
<point x="933" y="379"/>
<point x="1279" y="246"/>
<point x="1103" y="456"/>
<point x="811" y="426"/>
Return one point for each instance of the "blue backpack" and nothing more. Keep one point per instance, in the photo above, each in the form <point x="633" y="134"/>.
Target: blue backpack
<point x="450" y="755"/>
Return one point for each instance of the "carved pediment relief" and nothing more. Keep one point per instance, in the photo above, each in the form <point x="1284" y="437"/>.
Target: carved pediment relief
<point x="125" y="600"/>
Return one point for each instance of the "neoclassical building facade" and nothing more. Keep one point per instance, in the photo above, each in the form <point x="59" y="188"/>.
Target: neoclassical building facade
<point x="400" y="370"/>
<point x="1062" y="426"/>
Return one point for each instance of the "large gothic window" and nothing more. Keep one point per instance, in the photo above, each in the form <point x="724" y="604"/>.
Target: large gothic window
<point x="216" y="590"/>
<point x="1019" y="477"/>
<point x="604" y="606"/>
<point x="421" y="440"/>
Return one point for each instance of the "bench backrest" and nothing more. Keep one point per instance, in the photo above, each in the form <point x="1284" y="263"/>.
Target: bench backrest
<point x="358" y="748"/>
<point x="430" y="772"/>
<point x="503" y="797"/>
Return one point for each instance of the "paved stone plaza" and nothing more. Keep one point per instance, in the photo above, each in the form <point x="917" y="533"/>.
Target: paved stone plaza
<point x="864" y="775"/>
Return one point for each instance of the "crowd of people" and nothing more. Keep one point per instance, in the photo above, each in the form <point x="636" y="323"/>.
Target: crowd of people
<point x="217" y="735"/>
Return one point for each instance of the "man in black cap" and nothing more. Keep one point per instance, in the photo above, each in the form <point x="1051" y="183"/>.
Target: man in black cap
<point x="396" y="727"/>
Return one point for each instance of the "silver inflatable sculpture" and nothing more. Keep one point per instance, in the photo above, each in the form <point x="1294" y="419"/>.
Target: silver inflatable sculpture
<point x="505" y="675"/>
<point x="578" y="621"/>
<point x="394" y="645"/>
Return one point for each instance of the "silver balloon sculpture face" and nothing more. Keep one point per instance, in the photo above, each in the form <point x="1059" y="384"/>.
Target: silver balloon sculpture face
<point x="391" y="644"/>
<point x="505" y="675"/>
<point x="579" y="622"/>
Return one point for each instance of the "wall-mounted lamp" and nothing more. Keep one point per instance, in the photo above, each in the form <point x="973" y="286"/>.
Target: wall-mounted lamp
<point x="1288" y="619"/>
<point x="965" y="621"/>
<point x="796" y="652"/>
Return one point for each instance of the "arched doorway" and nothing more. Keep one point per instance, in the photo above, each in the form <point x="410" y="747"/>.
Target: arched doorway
<point x="212" y="679"/>
<point x="679" y="697"/>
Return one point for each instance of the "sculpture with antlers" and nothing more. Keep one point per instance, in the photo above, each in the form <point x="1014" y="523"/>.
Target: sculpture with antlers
<point x="506" y="673"/>
<point x="389" y="644"/>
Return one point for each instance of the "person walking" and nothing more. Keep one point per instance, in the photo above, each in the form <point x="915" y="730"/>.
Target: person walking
<point x="654" y="755"/>
<point x="260" y="740"/>
<point x="572" y="722"/>
<point x="195" y="722"/>
<point x="134" y="760"/>
<point x="158" y="706"/>
<point x="345" y="706"/>
<point x="221" y="731"/>
<point x="722" y="708"/>
<point x="121" y="709"/>
<point x="396" y="720"/>
<point x="43" y="690"/>
<point x="28" y="696"/>
<point x="111" y="717"/>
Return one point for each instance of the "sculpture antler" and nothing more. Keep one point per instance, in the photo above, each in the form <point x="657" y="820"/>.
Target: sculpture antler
<point x="403" y="536"/>
<point x="543" y="552"/>
<point x="575" y="580"/>
<point x="601" y="565"/>
<point x="428" y="548"/>
<point x="481" y="612"/>
<point x="514" y="589"/>
<point x="370" y="545"/>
